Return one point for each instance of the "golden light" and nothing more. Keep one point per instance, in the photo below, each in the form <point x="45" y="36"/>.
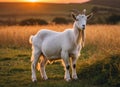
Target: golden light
<point x="33" y="0"/>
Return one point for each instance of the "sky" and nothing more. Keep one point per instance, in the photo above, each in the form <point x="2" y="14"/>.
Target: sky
<point x="50" y="1"/>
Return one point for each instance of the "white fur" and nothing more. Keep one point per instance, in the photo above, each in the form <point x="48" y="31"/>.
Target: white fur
<point x="58" y="45"/>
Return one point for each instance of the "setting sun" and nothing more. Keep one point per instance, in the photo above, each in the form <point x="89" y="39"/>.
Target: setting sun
<point x="33" y="0"/>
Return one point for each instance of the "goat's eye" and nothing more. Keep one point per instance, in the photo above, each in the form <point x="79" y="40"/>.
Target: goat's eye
<point x="77" y="19"/>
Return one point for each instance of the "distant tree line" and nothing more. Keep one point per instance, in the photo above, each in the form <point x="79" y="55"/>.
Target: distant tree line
<point x="107" y="19"/>
<point x="104" y="15"/>
<point x="34" y="21"/>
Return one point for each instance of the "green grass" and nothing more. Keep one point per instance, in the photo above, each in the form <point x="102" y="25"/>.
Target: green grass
<point x="15" y="70"/>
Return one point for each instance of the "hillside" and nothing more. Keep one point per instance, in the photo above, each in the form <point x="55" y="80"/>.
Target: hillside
<point x="37" y="9"/>
<point x="15" y="12"/>
<point x="109" y="3"/>
<point x="42" y="9"/>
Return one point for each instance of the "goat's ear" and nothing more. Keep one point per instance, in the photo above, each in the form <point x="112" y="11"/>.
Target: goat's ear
<point x="73" y="16"/>
<point x="89" y="16"/>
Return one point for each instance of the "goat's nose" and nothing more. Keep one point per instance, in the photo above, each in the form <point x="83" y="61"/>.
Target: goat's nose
<point x="83" y="26"/>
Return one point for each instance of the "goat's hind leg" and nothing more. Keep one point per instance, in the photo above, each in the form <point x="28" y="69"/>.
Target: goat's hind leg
<point x="42" y="68"/>
<point x="35" y="56"/>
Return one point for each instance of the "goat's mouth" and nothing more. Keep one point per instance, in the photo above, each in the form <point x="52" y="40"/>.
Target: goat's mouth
<point x="83" y="28"/>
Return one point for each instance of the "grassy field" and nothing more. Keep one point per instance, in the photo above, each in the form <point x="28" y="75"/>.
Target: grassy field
<point x="102" y="36"/>
<point x="98" y="66"/>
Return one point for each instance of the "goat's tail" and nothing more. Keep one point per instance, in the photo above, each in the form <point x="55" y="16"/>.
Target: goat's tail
<point x="31" y="39"/>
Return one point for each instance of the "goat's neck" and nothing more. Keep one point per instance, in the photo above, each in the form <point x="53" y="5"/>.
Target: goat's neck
<point x="77" y="34"/>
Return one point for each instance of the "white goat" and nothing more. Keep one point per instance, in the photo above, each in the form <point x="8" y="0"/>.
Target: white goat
<point x="59" y="45"/>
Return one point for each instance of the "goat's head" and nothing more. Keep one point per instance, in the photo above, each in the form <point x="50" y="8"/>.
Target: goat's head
<point x="80" y="18"/>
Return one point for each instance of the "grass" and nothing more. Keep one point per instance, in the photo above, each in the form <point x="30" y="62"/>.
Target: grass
<point x="98" y="65"/>
<point x="101" y="36"/>
<point x="16" y="72"/>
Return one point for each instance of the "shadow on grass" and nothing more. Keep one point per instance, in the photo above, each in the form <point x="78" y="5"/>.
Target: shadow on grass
<point x="5" y="59"/>
<point x="105" y="71"/>
<point x="21" y="55"/>
<point x="60" y="83"/>
<point x="14" y="70"/>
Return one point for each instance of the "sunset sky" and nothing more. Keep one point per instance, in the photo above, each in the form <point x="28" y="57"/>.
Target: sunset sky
<point x="50" y="1"/>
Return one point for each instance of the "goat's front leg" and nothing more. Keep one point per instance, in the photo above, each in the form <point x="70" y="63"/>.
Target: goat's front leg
<point x="74" y="74"/>
<point x="66" y="64"/>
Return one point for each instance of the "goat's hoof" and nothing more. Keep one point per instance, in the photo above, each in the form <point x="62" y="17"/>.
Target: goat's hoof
<point x="45" y="78"/>
<point x="68" y="79"/>
<point x="34" y="80"/>
<point x="75" y="77"/>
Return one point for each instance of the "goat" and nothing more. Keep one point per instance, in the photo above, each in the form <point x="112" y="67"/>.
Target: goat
<point x="59" y="45"/>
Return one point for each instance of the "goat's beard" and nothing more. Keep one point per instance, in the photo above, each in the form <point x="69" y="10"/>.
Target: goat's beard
<point x="83" y="38"/>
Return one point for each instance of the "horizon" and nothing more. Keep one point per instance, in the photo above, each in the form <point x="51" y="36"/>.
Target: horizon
<point x="43" y="1"/>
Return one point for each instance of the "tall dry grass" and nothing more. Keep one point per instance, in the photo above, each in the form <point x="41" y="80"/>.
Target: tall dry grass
<point x="18" y="36"/>
<point x="104" y="36"/>
<point x="101" y="36"/>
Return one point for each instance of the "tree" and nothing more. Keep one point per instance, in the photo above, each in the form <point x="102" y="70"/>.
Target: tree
<point x="32" y="21"/>
<point x="60" y="20"/>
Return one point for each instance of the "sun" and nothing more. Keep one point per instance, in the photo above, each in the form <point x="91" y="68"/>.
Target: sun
<point x="33" y="0"/>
